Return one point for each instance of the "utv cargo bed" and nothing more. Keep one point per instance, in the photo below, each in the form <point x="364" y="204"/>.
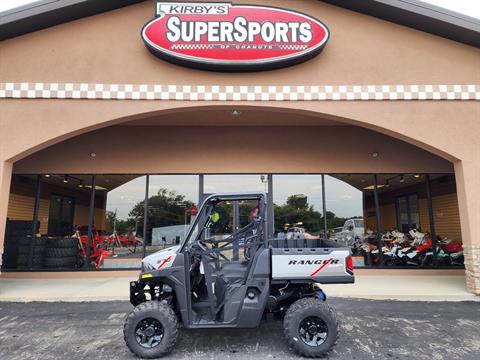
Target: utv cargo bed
<point x="304" y="260"/>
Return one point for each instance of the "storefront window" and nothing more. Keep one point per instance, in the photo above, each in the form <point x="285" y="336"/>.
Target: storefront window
<point x="121" y="231"/>
<point x="416" y="226"/>
<point x="407" y="233"/>
<point x="351" y="216"/>
<point x="298" y="208"/>
<point x="446" y="218"/>
<point x="62" y="217"/>
<point x="19" y="225"/>
<point x="172" y="207"/>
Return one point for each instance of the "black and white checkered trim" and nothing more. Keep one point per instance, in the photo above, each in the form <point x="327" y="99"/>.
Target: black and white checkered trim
<point x="13" y="90"/>
<point x="191" y="46"/>
<point x="293" y="47"/>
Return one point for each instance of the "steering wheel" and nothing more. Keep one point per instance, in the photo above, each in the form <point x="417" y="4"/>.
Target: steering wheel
<point x="205" y="250"/>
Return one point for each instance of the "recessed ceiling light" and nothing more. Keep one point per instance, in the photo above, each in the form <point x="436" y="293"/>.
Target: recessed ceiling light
<point x="47" y="175"/>
<point x="416" y="176"/>
<point x="92" y="154"/>
<point x="65" y="179"/>
<point x="402" y="179"/>
<point x="375" y="154"/>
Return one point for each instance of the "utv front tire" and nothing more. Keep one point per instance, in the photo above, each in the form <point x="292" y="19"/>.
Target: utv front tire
<point x="150" y="330"/>
<point x="311" y="327"/>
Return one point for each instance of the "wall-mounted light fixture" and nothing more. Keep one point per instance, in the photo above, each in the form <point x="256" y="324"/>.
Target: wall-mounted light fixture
<point x="236" y="113"/>
<point x="65" y="179"/>
<point x="402" y="179"/>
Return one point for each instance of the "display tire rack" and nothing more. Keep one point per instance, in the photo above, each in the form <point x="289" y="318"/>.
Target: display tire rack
<point x="62" y="253"/>
<point x="14" y="232"/>
<point x="37" y="249"/>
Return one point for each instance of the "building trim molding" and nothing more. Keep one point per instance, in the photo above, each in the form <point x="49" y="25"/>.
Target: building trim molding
<point x="24" y="90"/>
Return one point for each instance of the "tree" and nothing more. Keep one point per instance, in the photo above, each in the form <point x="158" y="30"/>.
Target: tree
<point x="297" y="210"/>
<point x="298" y="201"/>
<point x="166" y="208"/>
<point x="114" y="222"/>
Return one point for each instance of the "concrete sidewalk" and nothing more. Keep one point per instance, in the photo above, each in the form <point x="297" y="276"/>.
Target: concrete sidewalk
<point x="88" y="287"/>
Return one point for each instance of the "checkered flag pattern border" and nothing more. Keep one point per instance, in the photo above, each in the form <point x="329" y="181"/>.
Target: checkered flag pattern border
<point x="293" y="47"/>
<point x="237" y="92"/>
<point x="191" y="46"/>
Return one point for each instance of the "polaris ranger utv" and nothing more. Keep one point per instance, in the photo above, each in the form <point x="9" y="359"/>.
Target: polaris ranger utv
<point x="228" y="274"/>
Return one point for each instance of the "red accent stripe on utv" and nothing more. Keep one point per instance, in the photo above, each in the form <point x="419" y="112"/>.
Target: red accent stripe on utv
<point x="165" y="261"/>
<point x="321" y="267"/>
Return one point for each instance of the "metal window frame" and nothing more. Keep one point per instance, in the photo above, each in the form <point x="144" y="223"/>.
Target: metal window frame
<point x="36" y="208"/>
<point x="91" y="213"/>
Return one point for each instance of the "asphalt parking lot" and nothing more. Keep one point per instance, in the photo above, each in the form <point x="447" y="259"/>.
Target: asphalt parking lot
<point x="369" y="330"/>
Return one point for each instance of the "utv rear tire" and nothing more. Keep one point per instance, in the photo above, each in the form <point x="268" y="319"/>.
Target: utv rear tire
<point x="155" y="311"/>
<point x="310" y="311"/>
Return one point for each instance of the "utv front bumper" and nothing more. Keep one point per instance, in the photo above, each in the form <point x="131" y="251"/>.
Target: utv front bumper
<point x="137" y="292"/>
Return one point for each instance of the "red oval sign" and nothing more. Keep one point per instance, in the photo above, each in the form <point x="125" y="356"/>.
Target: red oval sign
<point x="227" y="37"/>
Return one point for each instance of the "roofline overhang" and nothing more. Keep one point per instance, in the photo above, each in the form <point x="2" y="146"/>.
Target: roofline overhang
<point x="411" y="13"/>
<point x="47" y="13"/>
<point x="419" y="15"/>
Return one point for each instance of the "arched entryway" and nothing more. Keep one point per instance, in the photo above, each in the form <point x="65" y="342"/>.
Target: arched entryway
<point x="326" y="164"/>
<point x="235" y="140"/>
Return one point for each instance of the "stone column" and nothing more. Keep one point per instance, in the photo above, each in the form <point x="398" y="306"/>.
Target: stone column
<point x="467" y="175"/>
<point x="5" y="179"/>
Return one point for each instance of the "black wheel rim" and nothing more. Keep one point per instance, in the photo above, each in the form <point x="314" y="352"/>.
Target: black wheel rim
<point x="149" y="333"/>
<point x="313" y="331"/>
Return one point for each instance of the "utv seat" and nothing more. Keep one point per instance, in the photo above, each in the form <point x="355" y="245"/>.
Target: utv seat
<point x="234" y="270"/>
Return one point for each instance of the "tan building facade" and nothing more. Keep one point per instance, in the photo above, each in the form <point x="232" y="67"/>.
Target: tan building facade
<point x="89" y="86"/>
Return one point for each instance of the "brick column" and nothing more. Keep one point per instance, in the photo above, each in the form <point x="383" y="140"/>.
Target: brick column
<point x="467" y="175"/>
<point x="5" y="179"/>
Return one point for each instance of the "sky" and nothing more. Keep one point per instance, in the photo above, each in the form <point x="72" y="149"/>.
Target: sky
<point x="468" y="7"/>
<point x="341" y="198"/>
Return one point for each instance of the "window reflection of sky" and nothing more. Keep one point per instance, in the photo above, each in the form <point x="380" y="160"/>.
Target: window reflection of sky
<point x="341" y="198"/>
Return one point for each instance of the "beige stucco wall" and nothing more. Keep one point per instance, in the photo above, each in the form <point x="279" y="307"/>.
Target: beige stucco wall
<point x="220" y="149"/>
<point x="363" y="50"/>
